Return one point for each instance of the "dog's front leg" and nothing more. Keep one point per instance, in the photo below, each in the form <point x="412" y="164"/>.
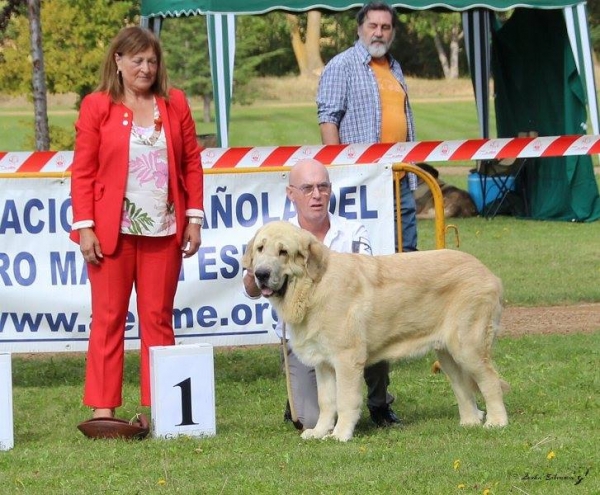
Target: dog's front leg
<point x="349" y="376"/>
<point x="326" y="390"/>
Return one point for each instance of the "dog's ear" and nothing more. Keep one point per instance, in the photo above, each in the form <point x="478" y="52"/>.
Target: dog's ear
<point x="430" y="169"/>
<point x="316" y="262"/>
<point x="247" y="257"/>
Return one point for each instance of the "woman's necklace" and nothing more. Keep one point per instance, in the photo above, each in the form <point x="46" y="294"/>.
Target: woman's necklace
<point x="150" y="140"/>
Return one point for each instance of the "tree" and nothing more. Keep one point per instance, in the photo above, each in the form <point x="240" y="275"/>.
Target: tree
<point x="425" y="46"/>
<point x="593" y="8"/>
<point x="7" y="9"/>
<point x="339" y="31"/>
<point x="306" y="37"/>
<point x="38" y="75"/>
<point x="62" y="60"/>
<point x="185" y="45"/>
<point x="73" y="53"/>
<point x="185" y="42"/>
<point x="12" y="9"/>
<point x="263" y="46"/>
<point x="40" y="102"/>
<point x="446" y="32"/>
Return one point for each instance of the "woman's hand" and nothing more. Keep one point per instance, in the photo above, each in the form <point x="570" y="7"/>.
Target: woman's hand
<point x="192" y="238"/>
<point x="90" y="246"/>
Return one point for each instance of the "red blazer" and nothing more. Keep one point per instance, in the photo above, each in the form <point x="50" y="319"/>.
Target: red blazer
<point x="101" y="161"/>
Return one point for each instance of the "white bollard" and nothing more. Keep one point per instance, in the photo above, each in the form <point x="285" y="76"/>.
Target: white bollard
<point x="182" y="386"/>
<point x="6" y="405"/>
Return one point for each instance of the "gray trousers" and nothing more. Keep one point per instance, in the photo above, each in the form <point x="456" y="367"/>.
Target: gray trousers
<point x="304" y="388"/>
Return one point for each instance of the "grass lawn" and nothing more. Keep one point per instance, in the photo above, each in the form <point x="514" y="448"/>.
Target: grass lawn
<point x="550" y="443"/>
<point x="540" y="263"/>
<point x="263" y="124"/>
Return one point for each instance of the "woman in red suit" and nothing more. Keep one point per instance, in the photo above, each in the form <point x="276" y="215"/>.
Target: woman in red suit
<point x="136" y="190"/>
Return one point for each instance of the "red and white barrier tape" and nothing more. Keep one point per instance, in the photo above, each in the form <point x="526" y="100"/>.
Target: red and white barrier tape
<point x="280" y="156"/>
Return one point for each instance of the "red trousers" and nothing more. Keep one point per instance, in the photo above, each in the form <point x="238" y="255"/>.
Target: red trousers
<point x="153" y="265"/>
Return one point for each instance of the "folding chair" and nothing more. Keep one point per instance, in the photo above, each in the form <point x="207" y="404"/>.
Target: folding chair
<point x="498" y="182"/>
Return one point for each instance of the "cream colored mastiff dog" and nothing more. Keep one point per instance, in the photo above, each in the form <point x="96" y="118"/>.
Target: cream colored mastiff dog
<point x="346" y="311"/>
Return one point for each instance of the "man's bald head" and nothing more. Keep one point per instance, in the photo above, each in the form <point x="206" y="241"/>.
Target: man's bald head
<point x="304" y="171"/>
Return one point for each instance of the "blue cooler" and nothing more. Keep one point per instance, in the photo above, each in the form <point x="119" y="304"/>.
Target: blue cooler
<point x="477" y="183"/>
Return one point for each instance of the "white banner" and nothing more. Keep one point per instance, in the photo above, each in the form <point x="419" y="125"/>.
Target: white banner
<point x="44" y="291"/>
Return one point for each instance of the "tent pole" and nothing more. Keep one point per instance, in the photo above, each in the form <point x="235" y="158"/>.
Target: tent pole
<point x="221" y="47"/>
<point x="476" y="26"/>
<point x="579" y="37"/>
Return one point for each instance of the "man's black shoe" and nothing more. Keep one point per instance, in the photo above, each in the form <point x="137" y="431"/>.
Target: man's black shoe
<point x="287" y="416"/>
<point x="384" y="416"/>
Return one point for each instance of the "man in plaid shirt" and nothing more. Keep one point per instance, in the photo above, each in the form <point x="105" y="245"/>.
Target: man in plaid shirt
<point x="362" y="98"/>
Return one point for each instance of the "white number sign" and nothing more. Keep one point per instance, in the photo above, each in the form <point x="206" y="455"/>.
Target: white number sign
<point x="6" y="407"/>
<point x="183" y="390"/>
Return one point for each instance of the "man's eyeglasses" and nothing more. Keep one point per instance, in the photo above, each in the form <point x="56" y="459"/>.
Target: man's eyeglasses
<point x="307" y="189"/>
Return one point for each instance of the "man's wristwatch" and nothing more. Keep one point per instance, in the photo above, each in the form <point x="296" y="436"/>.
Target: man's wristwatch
<point x="196" y="220"/>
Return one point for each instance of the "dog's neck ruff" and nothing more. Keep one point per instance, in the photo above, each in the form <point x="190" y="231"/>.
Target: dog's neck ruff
<point x="293" y="304"/>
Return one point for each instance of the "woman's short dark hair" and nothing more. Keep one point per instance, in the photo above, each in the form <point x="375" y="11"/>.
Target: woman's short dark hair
<point x="362" y="13"/>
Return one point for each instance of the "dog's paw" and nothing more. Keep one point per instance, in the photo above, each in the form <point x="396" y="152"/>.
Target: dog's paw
<point x="341" y="433"/>
<point x="313" y="433"/>
<point x="495" y="422"/>
<point x="475" y="417"/>
<point x="470" y="422"/>
<point x="340" y="437"/>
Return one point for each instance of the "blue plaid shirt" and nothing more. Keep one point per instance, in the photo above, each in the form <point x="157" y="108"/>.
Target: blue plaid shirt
<point x="348" y="96"/>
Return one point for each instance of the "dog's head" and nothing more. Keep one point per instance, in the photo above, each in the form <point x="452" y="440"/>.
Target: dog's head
<point x="280" y="253"/>
<point x="430" y="169"/>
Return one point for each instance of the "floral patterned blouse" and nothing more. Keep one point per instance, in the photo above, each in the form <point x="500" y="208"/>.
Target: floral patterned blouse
<point x="146" y="208"/>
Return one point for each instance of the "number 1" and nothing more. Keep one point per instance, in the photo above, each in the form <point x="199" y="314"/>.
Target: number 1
<point x="186" y="402"/>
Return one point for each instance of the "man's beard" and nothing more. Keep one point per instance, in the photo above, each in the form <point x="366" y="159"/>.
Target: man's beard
<point x="379" y="49"/>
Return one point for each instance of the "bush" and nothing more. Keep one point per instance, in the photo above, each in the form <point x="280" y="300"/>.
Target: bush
<point x="60" y="138"/>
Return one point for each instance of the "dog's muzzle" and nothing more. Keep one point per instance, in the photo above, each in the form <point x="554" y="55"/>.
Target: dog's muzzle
<point x="264" y="281"/>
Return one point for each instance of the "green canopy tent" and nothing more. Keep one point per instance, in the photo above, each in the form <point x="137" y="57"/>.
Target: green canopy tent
<point x="538" y="88"/>
<point x="480" y="29"/>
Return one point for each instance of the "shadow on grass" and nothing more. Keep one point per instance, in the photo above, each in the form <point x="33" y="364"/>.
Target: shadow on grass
<point x="248" y="365"/>
<point x="47" y="371"/>
<point x="244" y="365"/>
<point x="61" y="369"/>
